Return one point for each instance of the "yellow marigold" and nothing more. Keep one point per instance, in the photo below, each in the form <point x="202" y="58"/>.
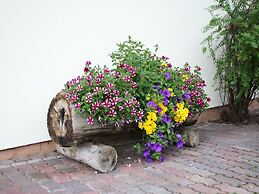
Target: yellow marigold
<point x="181" y="115"/>
<point x="149" y="126"/>
<point x="170" y="89"/>
<point x="163" y="65"/>
<point x="164" y="108"/>
<point x="180" y="105"/>
<point x="140" y="125"/>
<point x="152" y="116"/>
<point x="185" y="77"/>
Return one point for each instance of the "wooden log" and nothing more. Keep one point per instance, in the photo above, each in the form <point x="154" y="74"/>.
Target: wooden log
<point x="100" y="157"/>
<point x="67" y="128"/>
<point x="192" y="135"/>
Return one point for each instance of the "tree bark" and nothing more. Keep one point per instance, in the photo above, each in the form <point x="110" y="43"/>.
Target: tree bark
<point x="68" y="128"/>
<point x="193" y="137"/>
<point x="100" y="157"/>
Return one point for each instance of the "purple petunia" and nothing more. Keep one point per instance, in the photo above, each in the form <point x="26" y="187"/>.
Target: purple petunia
<point x="151" y="103"/>
<point x="166" y="101"/>
<point x="160" y="135"/>
<point x="167" y="75"/>
<point x="166" y="119"/>
<point x="179" y="144"/>
<point x="156" y="87"/>
<point x="159" y="109"/>
<point x="146" y="153"/>
<point x="157" y="147"/>
<point x="165" y="93"/>
<point x="186" y="96"/>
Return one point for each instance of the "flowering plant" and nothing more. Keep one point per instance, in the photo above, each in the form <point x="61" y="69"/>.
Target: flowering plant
<point x="143" y="88"/>
<point x="179" y="95"/>
<point x="99" y="95"/>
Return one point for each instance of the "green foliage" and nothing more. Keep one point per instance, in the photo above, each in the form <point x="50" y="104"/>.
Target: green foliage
<point x="233" y="43"/>
<point x="145" y="61"/>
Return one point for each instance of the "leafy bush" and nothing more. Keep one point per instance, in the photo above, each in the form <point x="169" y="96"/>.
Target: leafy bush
<point x="232" y="42"/>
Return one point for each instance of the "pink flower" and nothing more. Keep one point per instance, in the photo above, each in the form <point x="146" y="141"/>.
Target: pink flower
<point x="133" y="74"/>
<point x="128" y="104"/>
<point x="87" y="63"/>
<point x="79" y="78"/>
<point x="134" y="84"/>
<point x="126" y="78"/>
<point x="89" y="77"/>
<point x="86" y="69"/>
<point x="137" y="104"/>
<point x="98" y="82"/>
<point x="90" y="84"/>
<point x="90" y="121"/>
<point x="96" y="90"/>
<point x="185" y="87"/>
<point x="140" y="115"/>
<point x="117" y="75"/>
<point x="208" y="99"/>
<point x="89" y="98"/>
<point x="133" y="112"/>
<point x="100" y="76"/>
<point x="77" y="105"/>
<point x="95" y="106"/>
<point x="74" y="98"/>
<point x="106" y="70"/>
<point x="67" y="96"/>
<point x="109" y="85"/>
<point x="121" y="108"/>
<point x="116" y="92"/>
<point x="112" y="113"/>
<point x="122" y="65"/>
<point x="80" y="88"/>
<point x="105" y="91"/>
<point x="106" y="103"/>
<point x="126" y="93"/>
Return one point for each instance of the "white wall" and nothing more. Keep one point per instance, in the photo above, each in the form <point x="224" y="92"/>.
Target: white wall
<point x="45" y="43"/>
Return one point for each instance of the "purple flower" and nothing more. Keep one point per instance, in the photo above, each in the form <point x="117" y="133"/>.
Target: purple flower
<point x="167" y="75"/>
<point x="157" y="147"/>
<point x="172" y="128"/>
<point x="156" y="87"/>
<point x="186" y="96"/>
<point x="149" y="159"/>
<point x="146" y="153"/>
<point x="166" y="119"/>
<point x="179" y="144"/>
<point x="165" y="93"/>
<point x="152" y="104"/>
<point x="178" y="136"/>
<point x="159" y="109"/>
<point x="166" y="101"/>
<point x="160" y="135"/>
<point x="162" y="159"/>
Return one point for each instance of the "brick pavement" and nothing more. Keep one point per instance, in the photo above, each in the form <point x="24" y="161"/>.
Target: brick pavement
<point x="226" y="161"/>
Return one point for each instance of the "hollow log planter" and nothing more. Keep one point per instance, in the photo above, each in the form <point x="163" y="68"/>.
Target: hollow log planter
<point x="74" y="138"/>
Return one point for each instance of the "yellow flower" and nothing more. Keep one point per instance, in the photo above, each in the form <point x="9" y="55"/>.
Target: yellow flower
<point x="180" y="105"/>
<point x="147" y="98"/>
<point x="152" y="116"/>
<point x="170" y="89"/>
<point x="164" y="108"/>
<point x="181" y="115"/>
<point x="140" y="125"/>
<point x="163" y="65"/>
<point x="149" y="126"/>
<point x="185" y="77"/>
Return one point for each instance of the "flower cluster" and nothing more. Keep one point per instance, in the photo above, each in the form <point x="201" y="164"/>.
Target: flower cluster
<point x="171" y="103"/>
<point x="98" y="94"/>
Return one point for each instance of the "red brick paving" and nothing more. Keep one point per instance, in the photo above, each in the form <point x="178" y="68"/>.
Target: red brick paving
<point x="226" y="161"/>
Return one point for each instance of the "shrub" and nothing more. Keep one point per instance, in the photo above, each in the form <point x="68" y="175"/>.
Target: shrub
<point x="232" y="42"/>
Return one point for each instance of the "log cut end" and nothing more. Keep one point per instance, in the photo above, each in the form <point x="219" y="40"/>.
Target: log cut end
<point x="60" y="120"/>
